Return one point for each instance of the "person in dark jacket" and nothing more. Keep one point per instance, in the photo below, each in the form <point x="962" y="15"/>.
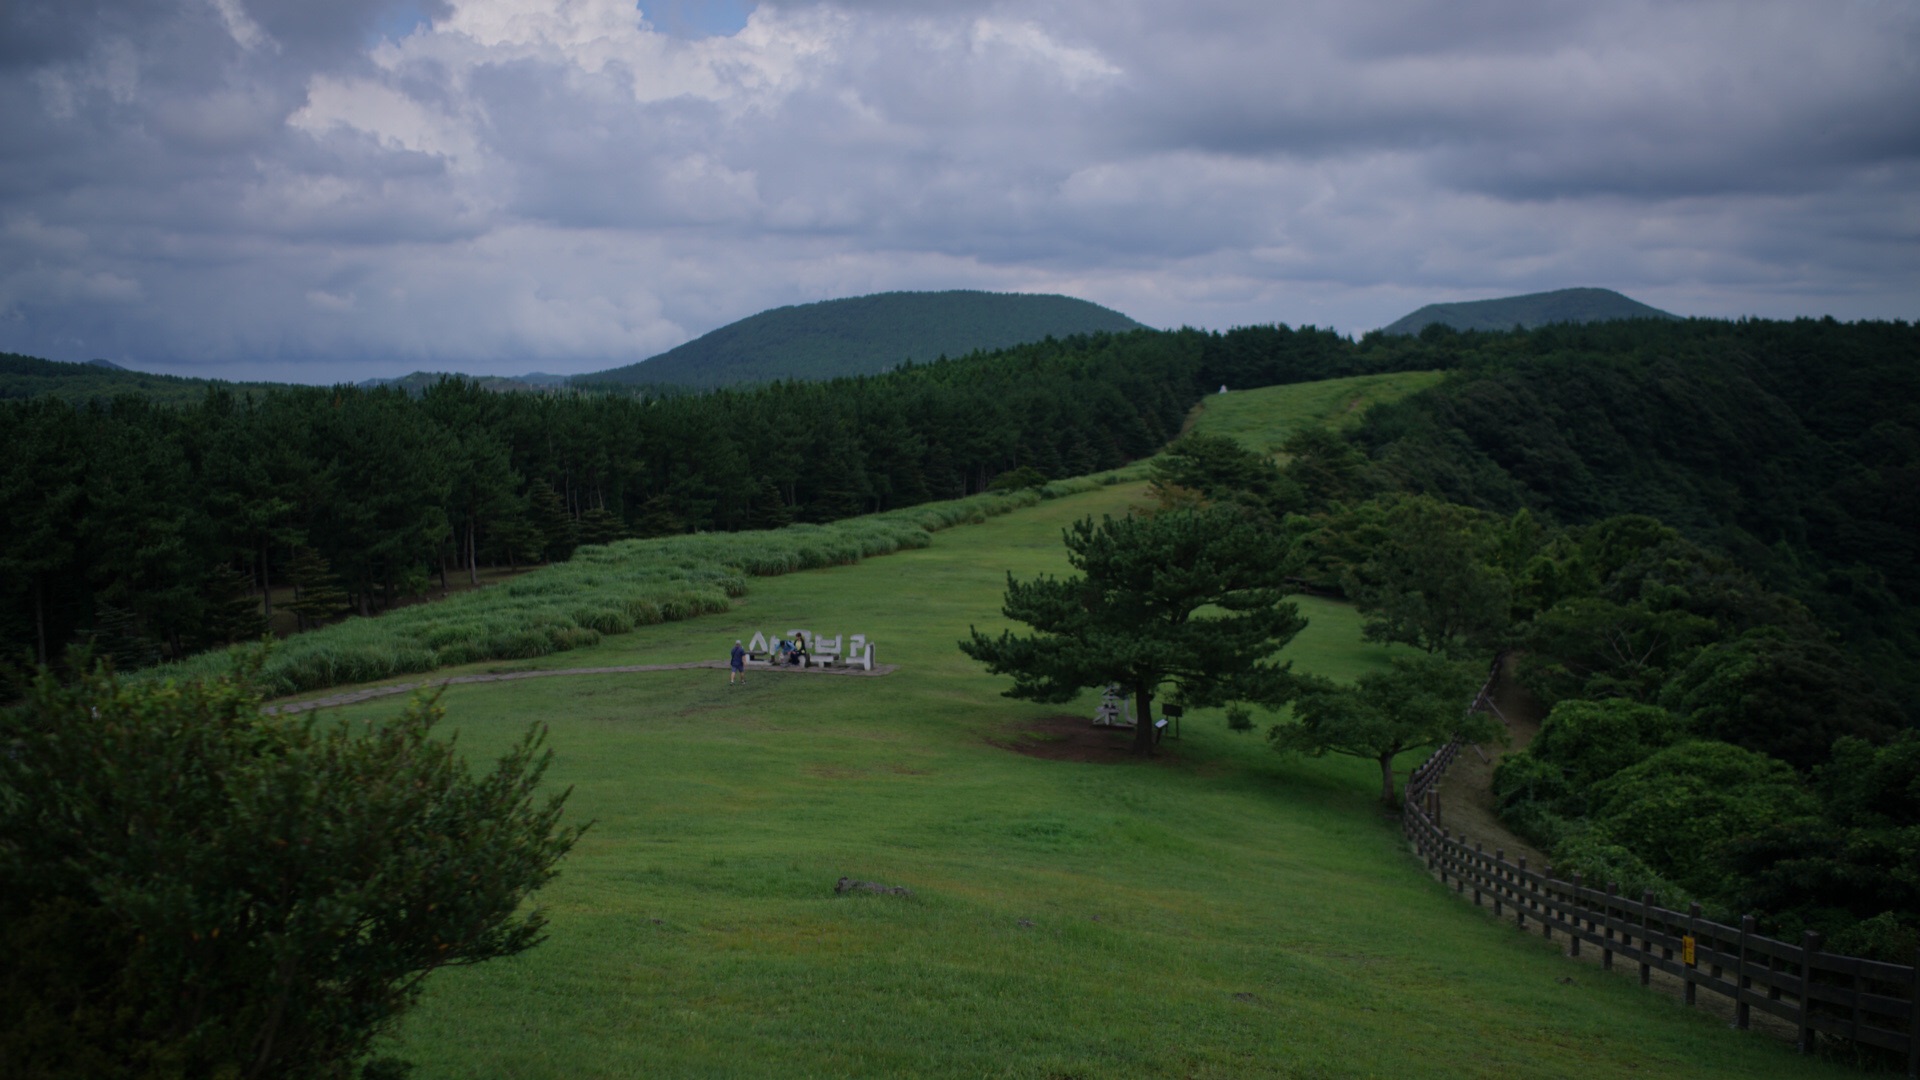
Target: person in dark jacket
<point x="737" y="663"/>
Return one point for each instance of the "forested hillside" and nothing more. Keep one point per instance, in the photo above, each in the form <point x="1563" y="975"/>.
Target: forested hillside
<point x="864" y="335"/>
<point x="153" y="530"/>
<point x="1532" y="310"/>
<point x="27" y="376"/>
<point x="1699" y="540"/>
<point x="1793" y="447"/>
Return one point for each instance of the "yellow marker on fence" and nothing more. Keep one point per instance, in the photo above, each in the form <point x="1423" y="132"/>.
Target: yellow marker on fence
<point x="1686" y="950"/>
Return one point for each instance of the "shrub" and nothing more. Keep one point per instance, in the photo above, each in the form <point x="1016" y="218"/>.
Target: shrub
<point x="1680" y="809"/>
<point x="194" y="889"/>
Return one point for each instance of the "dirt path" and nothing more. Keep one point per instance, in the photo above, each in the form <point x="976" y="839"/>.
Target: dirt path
<point x="1466" y="792"/>
<point x="354" y="697"/>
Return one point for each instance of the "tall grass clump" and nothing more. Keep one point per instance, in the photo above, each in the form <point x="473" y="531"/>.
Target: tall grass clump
<point x="603" y="590"/>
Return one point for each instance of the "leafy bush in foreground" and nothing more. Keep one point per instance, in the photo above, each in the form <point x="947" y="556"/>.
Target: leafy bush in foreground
<point x="194" y="889"/>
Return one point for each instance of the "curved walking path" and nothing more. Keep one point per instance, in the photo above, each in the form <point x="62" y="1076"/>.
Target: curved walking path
<point x="354" y="697"/>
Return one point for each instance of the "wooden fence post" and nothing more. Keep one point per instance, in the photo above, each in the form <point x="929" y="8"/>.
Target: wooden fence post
<point x="1666" y="927"/>
<point x="1693" y="916"/>
<point x="1547" y="908"/>
<point x="1743" y="1012"/>
<point x="1477" y="852"/>
<point x="1521" y="890"/>
<point x="1499" y="875"/>
<point x="1606" y="926"/>
<point x="1577" y="905"/>
<point x="1646" y="943"/>
<point x="1810" y="944"/>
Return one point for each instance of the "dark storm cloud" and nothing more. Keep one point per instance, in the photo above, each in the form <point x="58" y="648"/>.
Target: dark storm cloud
<point x="511" y="184"/>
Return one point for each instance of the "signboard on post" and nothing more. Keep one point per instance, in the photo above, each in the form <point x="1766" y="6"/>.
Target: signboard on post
<point x="1686" y="950"/>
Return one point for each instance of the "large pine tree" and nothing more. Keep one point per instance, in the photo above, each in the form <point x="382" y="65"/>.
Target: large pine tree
<point x="1183" y="597"/>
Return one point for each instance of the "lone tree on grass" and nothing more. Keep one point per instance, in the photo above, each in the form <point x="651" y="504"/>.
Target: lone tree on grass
<point x="1188" y="597"/>
<point x="191" y="888"/>
<point x="1419" y="702"/>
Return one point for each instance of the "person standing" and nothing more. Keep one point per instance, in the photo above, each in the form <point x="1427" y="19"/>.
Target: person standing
<point x="737" y="663"/>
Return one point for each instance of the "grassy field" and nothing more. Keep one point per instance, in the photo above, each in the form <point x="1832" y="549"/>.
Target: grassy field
<point x="1219" y="912"/>
<point x="1262" y="419"/>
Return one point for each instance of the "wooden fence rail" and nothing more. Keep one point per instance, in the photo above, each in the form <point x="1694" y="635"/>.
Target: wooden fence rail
<point x="1844" y="997"/>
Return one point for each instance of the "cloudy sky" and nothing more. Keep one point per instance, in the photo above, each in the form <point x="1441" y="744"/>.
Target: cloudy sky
<point x="304" y="190"/>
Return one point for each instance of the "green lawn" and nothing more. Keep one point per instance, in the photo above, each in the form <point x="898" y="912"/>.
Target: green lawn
<point x="1262" y="419"/>
<point x="1218" y="913"/>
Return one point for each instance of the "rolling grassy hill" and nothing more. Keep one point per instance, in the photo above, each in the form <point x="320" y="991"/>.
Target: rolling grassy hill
<point x="865" y="334"/>
<point x="1534" y="309"/>
<point x="1261" y="419"/>
<point x="1219" y="912"/>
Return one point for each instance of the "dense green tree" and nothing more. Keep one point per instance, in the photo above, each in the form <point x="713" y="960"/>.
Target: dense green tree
<point x="1188" y="598"/>
<point x="1324" y="469"/>
<point x="1589" y="741"/>
<point x="1683" y="808"/>
<point x="1592" y="648"/>
<point x="1417" y="703"/>
<point x="1788" y="697"/>
<point x="233" y="611"/>
<point x="1429" y="581"/>
<point x="1026" y="476"/>
<point x="560" y="534"/>
<point x="317" y="595"/>
<point x="1542" y="791"/>
<point x="1221" y="471"/>
<point x="1854" y="873"/>
<point x="194" y="889"/>
<point x="42" y="502"/>
<point x="599" y="526"/>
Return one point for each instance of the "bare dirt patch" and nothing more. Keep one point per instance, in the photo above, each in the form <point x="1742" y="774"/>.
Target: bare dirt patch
<point x="1073" y="738"/>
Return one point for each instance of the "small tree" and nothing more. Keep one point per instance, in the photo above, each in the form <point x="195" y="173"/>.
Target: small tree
<point x="1418" y="702"/>
<point x="601" y="526"/>
<point x="1134" y="615"/>
<point x="1212" y="469"/>
<point x="1026" y="476"/>
<point x="195" y="889"/>
<point x="232" y="610"/>
<point x="317" y="593"/>
<point x="547" y="508"/>
<point x="1429" y="580"/>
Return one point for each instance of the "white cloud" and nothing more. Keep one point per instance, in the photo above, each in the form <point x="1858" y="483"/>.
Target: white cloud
<point x="1076" y="66"/>
<point x="559" y="184"/>
<point x="395" y="120"/>
<point x="245" y="32"/>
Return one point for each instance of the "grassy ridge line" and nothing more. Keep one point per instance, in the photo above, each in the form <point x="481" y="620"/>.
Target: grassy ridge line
<point x="1261" y="419"/>
<point x="602" y="590"/>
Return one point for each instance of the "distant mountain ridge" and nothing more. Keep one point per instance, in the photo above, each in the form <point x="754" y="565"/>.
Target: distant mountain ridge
<point x="865" y="335"/>
<point x="417" y="382"/>
<point x="1531" y="310"/>
<point x="30" y="376"/>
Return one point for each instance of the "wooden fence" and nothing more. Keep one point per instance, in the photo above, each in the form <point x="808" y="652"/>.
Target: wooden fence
<point x="1846" y="997"/>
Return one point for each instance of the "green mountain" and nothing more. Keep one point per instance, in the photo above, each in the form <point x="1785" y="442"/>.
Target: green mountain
<point x="28" y="376"/>
<point x="863" y="335"/>
<point x="1534" y="309"/>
